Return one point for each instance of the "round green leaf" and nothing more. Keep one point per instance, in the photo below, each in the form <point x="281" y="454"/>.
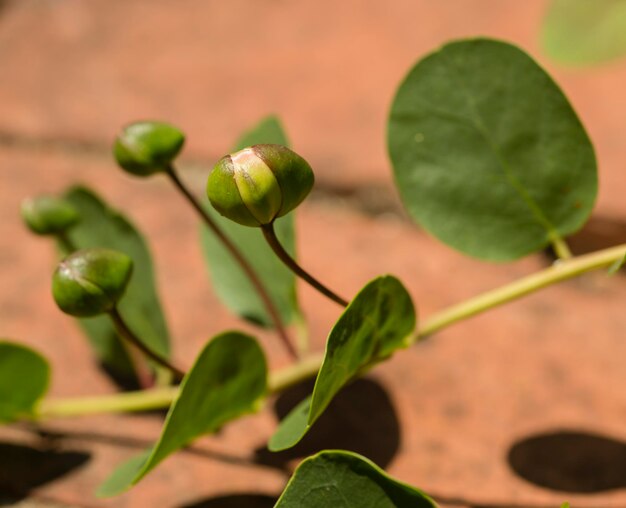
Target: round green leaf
<point x="24" y="379"/>
<point x="488" y="154"/>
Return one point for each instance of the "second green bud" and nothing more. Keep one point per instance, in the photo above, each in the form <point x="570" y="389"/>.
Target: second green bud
<point x="144" y="148"/>
<point x="90" y="282"/>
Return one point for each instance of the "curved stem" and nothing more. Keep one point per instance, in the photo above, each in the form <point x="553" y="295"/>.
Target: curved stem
<point x="274" y="243"/>
<point x="241" y="260"/>
<point x="560" y="271"/>
<point x="305" y="369"/>
<point x="125" y="332"/>
<point x="161" y="398"/>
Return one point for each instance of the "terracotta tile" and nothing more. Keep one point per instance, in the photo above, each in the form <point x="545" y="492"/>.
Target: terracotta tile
<point x="456" y="404"/>
<point x="328" y="69"/>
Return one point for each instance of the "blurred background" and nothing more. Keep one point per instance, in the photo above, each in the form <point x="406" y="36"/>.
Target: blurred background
<point x="464" y="410"/>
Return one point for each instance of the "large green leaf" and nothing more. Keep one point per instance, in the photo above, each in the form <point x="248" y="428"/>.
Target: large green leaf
<point x="24" y="379"/>
<point x="585" y="31"/>
<point x="488" y="154"/>
<point x="346" y="480"/>
<point x="102" y="226"/>
<point x="229" y="281"/>
<point x="379" y="320"/>
<point x="228" y="380"/>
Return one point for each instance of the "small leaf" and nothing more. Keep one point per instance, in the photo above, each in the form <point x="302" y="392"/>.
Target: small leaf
<point x="579" y="32"/>
<point x="488" y="154"/>
<point x="565" y="505"/>
<point x="118" y="481"/>
<point x="230" y="283"/>
<point x="228" y="380"/>
<point x="378" y="321"/>
<point x="292" y="428"/>
<point x="24" y="379"/>
<point x="346" y="480"/>
<point x="615" y="267"/>
<point x="102" y="226"/>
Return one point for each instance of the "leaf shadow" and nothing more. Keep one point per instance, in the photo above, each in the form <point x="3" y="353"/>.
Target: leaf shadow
<point x="124" y="383"/>
<point x="24" y="468"/>
<point x="235" y="501"/>
<point x="570" y="461"/>
<point x="361" y="418"/>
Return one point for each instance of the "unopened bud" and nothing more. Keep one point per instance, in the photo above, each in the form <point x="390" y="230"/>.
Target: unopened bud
<point x="256" y="185"/>
<point x="144" y="148"/>
<point x="90" y="282"/>
<point x="48" y="215"/>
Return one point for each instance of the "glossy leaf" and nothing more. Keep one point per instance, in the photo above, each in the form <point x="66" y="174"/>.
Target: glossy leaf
<point x="102" y="226"/>
<point x="488" y="154"/>
<point x="347" y="480"/>
<point x="379" y="320"/>
<point x="24" y="379"/>
<point x="230" y="283"/>
<point x="228" y="380"/>
<point x="579" y="32"/>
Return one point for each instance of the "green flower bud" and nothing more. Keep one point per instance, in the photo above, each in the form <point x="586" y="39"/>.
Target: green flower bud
<point x="144" y="148"/>
<point x="48" y="215"/>
<point x="259" y="184"/>
<point x="91" y="281"/>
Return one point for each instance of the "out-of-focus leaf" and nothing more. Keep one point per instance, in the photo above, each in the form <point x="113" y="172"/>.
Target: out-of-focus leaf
<point x="488" y="154"/>
<point x="378" y="321"/>
<point x="228" y="380"/>
<point x="102" y="226"/>
<point x="579" y="32"/>
<point x="24" y="378"/>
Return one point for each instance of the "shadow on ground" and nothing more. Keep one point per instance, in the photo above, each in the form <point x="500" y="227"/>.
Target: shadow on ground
<point x="361" y="419"/>
<point x="235" y="501"/>
<point x="24" y="468"/>
<point x="570" y="461"/>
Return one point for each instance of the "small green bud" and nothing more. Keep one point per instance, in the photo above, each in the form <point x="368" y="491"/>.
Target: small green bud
<point x="48" y="215"/>
<point x="91" y="281"/>
<point x="144" y="148"/>
<point x="258" y="184"/>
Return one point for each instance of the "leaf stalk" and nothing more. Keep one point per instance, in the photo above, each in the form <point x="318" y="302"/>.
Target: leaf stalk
<point x="158" y="398"/>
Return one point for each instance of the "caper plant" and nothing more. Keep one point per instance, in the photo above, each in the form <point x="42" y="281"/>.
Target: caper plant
<point x="488" y="156"/>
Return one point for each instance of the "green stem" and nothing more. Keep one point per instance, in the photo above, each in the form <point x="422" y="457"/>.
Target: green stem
<point x="240" y="259"/>
<point x="307" y="368"/>
<point x="126" y="333"/>
<point x="561" y="249"/>
<point x="142" y="400"/>
<point x="161" y="398"/>
<point x="292" y="264"/>
<point x="558" y="272"/>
